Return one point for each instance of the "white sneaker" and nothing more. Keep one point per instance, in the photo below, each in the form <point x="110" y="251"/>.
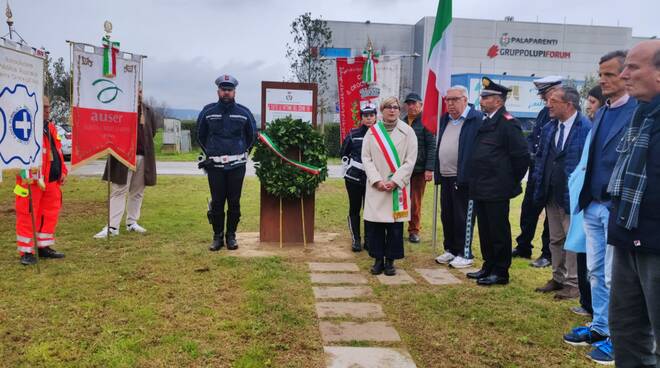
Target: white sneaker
<point x="460" y="262"/>
<point x="135" y="227"/>
<point x="104" y="233"/>
<point x="445" y="258"/>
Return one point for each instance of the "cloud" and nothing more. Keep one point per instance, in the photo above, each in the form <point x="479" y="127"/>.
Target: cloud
<point x="189" y="83"/>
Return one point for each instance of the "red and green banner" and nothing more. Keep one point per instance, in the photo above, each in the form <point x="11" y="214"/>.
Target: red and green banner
<point x="399" y="195"/>
<point x="104" y="109"/>
<point x="266" y="140"/>
<point x="356" y="85"/>
<point x="110" y="51"/>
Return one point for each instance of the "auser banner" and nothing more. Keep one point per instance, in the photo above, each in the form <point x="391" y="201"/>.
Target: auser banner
<point x="105" y="103"/>
<point x="21" y="110"/>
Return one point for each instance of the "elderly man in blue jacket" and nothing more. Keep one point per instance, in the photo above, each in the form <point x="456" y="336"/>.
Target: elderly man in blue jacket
<point x="456" y="133"/>
<point x="634" y="223"/>
<point x="560" y="149"/>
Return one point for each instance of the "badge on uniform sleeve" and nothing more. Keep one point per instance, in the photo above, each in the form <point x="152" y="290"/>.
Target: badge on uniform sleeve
<point x="507" y="116"/>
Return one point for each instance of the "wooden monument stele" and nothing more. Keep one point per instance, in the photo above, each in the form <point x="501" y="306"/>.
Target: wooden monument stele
<point x="282" y="219"/>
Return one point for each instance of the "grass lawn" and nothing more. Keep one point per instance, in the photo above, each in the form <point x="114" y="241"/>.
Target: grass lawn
<point x="163" y="300"/>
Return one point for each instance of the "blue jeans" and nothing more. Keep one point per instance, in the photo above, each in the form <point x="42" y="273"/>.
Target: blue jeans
<point x="599" y="263"/>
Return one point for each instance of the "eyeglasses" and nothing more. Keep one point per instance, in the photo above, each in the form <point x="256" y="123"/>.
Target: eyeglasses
<point x="453" y="99"/>
<point x="393" y="107"/>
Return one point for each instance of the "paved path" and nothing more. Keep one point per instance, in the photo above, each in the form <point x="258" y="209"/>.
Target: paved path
<point x="95" y="168"/>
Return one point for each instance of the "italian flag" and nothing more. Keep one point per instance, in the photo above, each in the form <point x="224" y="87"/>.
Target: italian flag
<point x="439" y="67"/>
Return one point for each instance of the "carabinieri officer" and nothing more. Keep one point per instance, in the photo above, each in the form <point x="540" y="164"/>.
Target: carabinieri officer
<point x="226" y="132"/>
<point x="499" y="161"/>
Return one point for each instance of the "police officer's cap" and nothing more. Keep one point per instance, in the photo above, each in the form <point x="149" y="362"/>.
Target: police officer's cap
<point x="368" y="108"/>
<point x="226" y="81"/>
<point x="545" y="83"/>
<point x="490" y="88"/>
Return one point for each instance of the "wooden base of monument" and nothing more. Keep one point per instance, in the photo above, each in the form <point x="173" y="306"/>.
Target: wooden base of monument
<point x="269" y="223"/>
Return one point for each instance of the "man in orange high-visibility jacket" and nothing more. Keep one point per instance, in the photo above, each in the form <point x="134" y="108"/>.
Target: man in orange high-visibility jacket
<point x="46" y="198"/>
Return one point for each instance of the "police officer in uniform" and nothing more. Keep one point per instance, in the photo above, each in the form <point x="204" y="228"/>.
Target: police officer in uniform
<point x="499" y="160"/>
<point x="355" y="177"/>
<point x="226" y="132"/>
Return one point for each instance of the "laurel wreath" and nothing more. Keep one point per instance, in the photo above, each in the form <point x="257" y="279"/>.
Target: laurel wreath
<point x="300" y="142"/>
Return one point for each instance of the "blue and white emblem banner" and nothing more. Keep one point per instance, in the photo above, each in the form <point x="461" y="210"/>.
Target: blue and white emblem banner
<point x="21" y="111"/>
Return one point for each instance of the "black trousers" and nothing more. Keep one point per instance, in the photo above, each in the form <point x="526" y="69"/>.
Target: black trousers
<point x="355" y="203"/>
<point x="453" y="214"/>
<point x="583" y="282"/>
<point x="635" y="308"/>
<point x="529" y="217"/>
<point x="226" y="186"/>
<point x="495" y="236"/>
<point x="385" y="239"/>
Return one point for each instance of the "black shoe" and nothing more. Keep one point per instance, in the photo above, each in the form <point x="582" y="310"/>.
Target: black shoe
<point x="28" y="259"/>
<point x="517" y="252"/>
<point x="377" y="268"/>
<point x="232" y="244"/>
<point x="493" y="280"/>
<point x="49" y="252"/>
<point x="541" y="262"/>
<point x="218" y="242"/>
<point x="477" y="275"/>
<point x="414" y="238"/>
<point x="356" y="247"/>
<point x="389" y="267"/>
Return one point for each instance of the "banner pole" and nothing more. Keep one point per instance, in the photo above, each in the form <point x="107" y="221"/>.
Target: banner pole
<point x="109" y="175"/>
<point x="34" y="227"/>
<point x="435" y="220"/>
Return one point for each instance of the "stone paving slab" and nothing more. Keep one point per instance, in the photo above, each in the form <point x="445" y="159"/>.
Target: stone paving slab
<point x="341" y="292"/>
<point x="437" y="276"/>
<point x="349" y="309"/>
<point x="353" y="357"/>
<point x="333" y="267"/>
<point x="337" y="278"/>
<point x="401" y="278"/>
<point x="354" y="331"/>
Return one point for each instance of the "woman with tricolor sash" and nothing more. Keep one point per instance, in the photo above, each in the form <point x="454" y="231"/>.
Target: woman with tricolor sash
<point x="389" y="152"/>
<point x="354" y="176"/>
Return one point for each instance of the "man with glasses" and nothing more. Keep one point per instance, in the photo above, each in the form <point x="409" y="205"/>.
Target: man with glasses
<point x="226" y="133"/>
<point x="560" y="150"/>
<point x="498" y="162"/>
<point x="456" y="133"/>
<point x="424" y="166"/>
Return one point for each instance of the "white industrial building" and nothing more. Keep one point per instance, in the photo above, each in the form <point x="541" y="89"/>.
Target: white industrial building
<point x="505" y="48"/>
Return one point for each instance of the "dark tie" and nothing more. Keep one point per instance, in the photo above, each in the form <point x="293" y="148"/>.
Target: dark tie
<point x="560" y="141"/>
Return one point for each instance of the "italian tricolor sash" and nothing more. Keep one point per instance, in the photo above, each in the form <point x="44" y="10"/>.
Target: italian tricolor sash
<point x="311" y="169"/>
<point x="399" y="195"/>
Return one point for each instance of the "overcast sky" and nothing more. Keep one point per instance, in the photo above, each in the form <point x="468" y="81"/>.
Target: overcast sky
<point x="190" y="42"/>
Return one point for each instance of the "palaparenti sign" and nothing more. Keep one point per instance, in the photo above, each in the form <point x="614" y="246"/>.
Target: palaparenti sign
<point x="105" y="102"/>
<point x="21" y="109"/>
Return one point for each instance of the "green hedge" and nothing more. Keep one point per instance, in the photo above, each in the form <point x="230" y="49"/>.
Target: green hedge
<point x="332" y="139"/>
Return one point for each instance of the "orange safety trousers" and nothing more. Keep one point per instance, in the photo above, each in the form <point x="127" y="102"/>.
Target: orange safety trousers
<point x="46" y="206"/>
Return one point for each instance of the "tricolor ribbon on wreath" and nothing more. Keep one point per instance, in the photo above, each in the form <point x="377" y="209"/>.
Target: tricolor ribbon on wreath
<point x="311" y="169"/>
<point x="110" y="51"/>
<point x="399" y="195"/>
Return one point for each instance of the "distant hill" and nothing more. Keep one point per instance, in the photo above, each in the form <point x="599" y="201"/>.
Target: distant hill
<point x="182" y="114"/>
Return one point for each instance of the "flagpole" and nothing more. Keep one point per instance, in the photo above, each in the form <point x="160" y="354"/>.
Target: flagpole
<point x="109" y="176"/>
